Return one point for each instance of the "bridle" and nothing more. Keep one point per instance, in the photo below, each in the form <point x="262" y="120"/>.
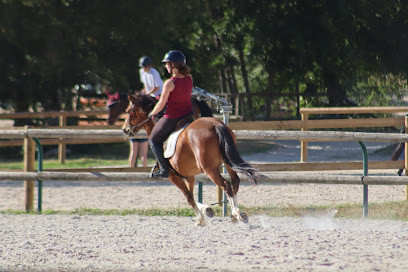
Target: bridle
<point x="137" y="125"/>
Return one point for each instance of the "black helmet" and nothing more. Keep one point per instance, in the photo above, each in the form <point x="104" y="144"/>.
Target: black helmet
<point x="145" y="61"/>
<point x="174" y="56"/>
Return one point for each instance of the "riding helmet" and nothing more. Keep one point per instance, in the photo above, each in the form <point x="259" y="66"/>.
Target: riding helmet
<point x="174" y="56"/>
<point x="145" y="61"/>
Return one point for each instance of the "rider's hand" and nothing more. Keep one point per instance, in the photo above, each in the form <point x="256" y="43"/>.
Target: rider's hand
<point x="150" y="116"/>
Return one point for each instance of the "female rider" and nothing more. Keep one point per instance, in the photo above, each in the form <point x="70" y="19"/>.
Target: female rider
<point x="176" y="95"/>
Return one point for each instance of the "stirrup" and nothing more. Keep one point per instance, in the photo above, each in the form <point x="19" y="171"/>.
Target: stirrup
<point x="160" y="174"/>
<point x="157" y="172"/>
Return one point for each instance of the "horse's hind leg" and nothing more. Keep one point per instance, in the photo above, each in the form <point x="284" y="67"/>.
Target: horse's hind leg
<point x="207" y="210"/>
<point x="230" y="188"/>
<point x="235" y="212"/>
<point x="190" y="198"/>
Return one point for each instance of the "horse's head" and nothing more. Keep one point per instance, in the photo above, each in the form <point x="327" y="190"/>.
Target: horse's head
<point x="117" y="104"/>
<point x="139" y="107"/>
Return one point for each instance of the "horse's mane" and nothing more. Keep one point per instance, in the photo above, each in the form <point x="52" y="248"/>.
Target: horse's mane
<point x="146" y="102"/>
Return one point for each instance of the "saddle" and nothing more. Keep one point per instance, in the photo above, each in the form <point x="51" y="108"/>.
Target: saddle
<point x="170" y="144"/>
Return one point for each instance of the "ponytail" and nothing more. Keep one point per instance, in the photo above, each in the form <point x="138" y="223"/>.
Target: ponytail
<point x="183" y="69"/>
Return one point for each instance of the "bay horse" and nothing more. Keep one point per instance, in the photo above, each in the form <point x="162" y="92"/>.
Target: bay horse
<point x="118" y="102"/>
<point x="201" y="148"/>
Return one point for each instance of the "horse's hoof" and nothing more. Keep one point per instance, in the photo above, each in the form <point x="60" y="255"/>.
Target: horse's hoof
<point x="209" y="212"/>
<point x="234" y="219"/>
<point x="243" y="217"/>
<point x="200" y="223"/>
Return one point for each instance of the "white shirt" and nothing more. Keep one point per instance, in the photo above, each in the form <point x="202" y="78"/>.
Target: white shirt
<point x="151" y="79"/>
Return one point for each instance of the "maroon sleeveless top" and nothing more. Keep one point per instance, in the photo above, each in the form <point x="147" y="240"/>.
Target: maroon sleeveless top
<point x="179" y="101"/>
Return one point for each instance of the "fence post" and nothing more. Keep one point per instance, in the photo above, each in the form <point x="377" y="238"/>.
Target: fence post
<point x="237" y="105"/>
<point x="40" y="156"/>
<point x="365" y="173"/>
<point x="303" y="144"/>
<point x="61" y="145"/>
<point x="225" y="110"/>
<point x="29" y="162"/>
<point x="406" y="156"/>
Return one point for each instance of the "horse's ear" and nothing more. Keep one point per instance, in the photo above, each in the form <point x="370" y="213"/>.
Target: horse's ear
<point x="131" y="98"/>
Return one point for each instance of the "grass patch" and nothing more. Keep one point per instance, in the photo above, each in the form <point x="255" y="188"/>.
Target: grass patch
<point x="384" y="211"/>
<point x="71" y="163"/>
<point x="380" y="211"/>
<point x="96" y="155"/>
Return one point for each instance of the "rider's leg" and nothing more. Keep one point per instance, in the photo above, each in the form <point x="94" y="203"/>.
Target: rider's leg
<point x="159" y="134"/>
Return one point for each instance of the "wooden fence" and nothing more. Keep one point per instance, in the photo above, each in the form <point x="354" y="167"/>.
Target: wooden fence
<point x="28" y="134"/>
<point x="304" y="125"/>
<point x="244" y="130"/>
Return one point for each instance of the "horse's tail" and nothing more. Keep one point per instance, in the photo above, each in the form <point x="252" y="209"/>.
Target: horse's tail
<point x="231" y="155"/>
<point x="205" y="110"/>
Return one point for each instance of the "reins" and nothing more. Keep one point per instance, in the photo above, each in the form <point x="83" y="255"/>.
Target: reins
<point x="136" y="126"/>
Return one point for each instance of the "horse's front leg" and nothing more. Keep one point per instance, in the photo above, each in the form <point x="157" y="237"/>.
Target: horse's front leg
<point x="178" y="181"/>
<point x="205" y="209"/>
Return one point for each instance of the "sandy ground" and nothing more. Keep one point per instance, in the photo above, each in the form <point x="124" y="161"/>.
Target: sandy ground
<point x="138" y="243"/>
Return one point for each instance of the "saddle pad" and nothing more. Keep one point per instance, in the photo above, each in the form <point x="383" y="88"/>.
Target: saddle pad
<point x="172" y="141"/>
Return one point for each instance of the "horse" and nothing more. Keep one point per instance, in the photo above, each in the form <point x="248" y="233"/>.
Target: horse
<point x="118" y="102"/>
<point x="201" y="148"/>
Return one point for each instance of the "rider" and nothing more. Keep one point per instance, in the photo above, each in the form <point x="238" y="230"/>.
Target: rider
<point x="152" y="85"/>
<point x="176" y="95"/>
<point x="150" y="77"/>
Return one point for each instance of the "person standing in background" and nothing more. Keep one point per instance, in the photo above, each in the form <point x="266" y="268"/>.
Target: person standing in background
<point x="150" y="77"/>
<point x="152" y="85"/>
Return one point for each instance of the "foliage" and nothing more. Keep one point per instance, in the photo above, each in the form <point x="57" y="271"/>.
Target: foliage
<point x="278" y="53"/>
<point x="381" y="90"/>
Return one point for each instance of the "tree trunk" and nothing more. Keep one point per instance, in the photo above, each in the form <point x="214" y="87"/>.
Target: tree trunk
<point x="223" y="83"/>
<point x="335" y="92"/>
<point x="244" y="72"/>
<point x="268" y="98"/>
<point x="230" y="83"/>
<point x="233" y="80"/>
<point x="297" y="100"/>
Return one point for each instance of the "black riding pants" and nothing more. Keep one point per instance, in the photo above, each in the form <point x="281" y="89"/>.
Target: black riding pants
<point x="162" y="130"/>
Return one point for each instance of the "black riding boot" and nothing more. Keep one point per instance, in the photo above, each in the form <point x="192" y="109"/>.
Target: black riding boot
<point x="157" y="150"/>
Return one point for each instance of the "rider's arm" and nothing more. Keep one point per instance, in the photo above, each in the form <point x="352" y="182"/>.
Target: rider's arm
<point x="152" y="90"/>
<point x="168" y="87"/>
